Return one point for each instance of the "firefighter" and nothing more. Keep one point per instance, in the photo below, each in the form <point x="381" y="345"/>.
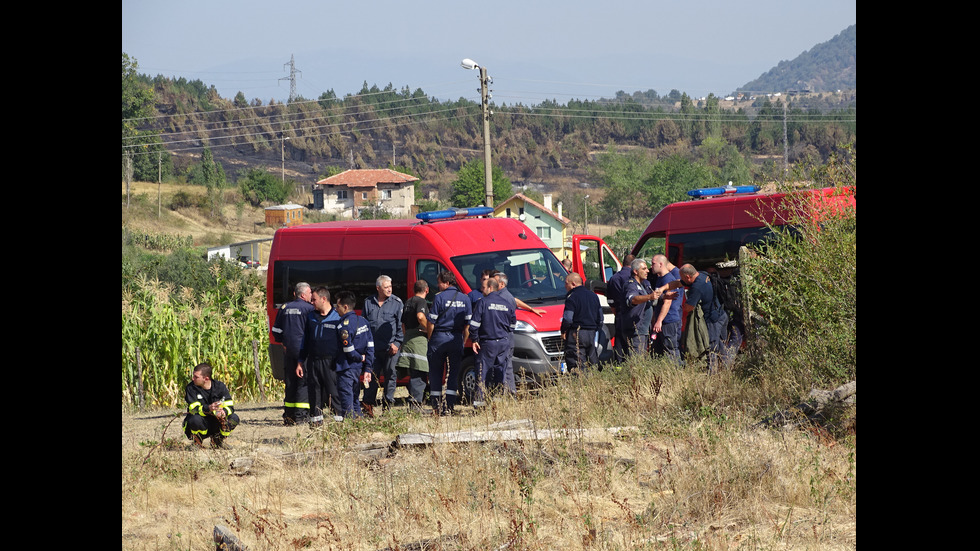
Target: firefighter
<point x="580" y="322"/>
<point x="356" y="358"/>
<point x="210" y="409"/>
<point x="448" y="328"/>
<point x="290" y="330"/>
<point x="493" y="322"/>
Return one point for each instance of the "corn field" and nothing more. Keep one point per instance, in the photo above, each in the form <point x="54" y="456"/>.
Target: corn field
<point x="173" y="331"/>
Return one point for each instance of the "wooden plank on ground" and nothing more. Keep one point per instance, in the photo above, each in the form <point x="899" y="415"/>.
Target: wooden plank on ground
<point x="452" y="437"/>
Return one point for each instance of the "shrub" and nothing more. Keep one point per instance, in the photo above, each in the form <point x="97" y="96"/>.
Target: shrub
<point x="803" y="283"/>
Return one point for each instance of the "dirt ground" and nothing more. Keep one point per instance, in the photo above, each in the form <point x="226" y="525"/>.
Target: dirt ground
<point x="261" y="430"/>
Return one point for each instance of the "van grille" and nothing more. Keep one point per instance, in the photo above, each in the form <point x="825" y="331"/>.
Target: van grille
<point x="552" y="345"/>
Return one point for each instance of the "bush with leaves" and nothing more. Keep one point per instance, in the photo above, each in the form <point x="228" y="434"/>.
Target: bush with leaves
<point x="258" y="185"/>
<point x="803" y="284"/>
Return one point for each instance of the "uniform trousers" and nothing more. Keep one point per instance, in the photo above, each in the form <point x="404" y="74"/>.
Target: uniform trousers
<point x="580" y="349"/>
<point x="296" y="404"/>
<point x="321" y="383"/>
<point x="444" y="346"/>
<point x="208" y="426"/>
<point x="348" y="386"/>
<point x="492" y="362"/>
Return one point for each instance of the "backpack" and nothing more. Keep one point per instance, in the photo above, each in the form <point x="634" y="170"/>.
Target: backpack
<point x="726" y="292"/>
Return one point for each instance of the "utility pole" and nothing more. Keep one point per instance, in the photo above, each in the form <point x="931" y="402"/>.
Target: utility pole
<point x="282" y="142"/>
<point x="586" y="214"/>
<point x="485" y="96"/>
<point x="292" y="77"/>
<point x="785" y="145"/>
<point x="159" y="184"/>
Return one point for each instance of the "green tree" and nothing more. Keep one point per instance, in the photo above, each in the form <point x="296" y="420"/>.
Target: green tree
<point x="137" y="100"/>
<point x="623" y="177"/>
<point x="469" y="188"/>
<point x="670" y="179"/>
<point x="211" y="175"/>
<point x="142" y="149"/>
<point x="258" y="185"/>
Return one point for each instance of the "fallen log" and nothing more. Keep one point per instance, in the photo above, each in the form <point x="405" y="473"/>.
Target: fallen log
<point x="226" y="540"/>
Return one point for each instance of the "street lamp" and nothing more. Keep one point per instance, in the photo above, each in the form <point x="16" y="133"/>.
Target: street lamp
<point x="469" y="64"/>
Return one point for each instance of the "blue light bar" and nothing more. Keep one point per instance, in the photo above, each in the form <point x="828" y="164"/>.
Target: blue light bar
<point x="453" y="213"/>
<point x="713" y="191"/>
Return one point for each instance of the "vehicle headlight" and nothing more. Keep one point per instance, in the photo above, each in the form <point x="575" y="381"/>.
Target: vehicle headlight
<point x="524" y="327"/>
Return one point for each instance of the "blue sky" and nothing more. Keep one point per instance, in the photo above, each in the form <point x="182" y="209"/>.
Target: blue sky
<point x="533" y="50"/>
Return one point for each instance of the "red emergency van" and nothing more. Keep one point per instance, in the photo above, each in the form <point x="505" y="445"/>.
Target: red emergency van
<point x="707" y="230"/>
<point x="350" y="256"/>
<point x="710" y="227"/>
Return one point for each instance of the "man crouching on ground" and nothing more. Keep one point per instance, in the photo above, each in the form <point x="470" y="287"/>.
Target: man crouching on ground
<point x="210" y="409"/>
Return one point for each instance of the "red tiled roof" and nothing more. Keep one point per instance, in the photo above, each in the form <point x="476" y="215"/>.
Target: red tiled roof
<point x="367" y="178"/>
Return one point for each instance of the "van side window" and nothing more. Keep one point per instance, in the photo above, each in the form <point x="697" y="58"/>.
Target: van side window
<point x="704" y="249"/>
<point x="358" y="276"/>
<point x="608" y="263"/>
<point x="428" y="270"/>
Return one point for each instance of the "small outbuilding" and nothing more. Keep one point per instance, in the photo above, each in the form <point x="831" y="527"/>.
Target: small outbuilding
<point x="282" y="216"/>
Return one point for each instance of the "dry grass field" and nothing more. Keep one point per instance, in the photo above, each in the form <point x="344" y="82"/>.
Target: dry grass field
<point x="673" y="475"/>
<point x="652" y="457"/>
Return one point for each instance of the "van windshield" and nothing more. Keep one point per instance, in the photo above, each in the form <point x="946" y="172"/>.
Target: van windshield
<point x="533" y="275"/>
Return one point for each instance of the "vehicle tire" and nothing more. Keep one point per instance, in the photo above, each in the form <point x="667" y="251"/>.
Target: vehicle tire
<point x="468" y="379"/>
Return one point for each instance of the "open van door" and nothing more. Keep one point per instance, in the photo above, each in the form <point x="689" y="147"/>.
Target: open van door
<point x="595" y="261"/>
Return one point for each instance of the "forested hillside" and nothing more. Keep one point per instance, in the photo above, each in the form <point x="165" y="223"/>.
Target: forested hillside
<point x="170" y="123"/>
<point x="826" y="67"/>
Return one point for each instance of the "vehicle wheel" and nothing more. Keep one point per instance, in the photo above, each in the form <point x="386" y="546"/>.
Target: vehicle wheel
<point x="468" y="379"/>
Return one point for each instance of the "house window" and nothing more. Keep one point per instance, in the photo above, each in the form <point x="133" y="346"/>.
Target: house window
<point x="341" y="194"/>
<point x="386" y="194"/>
<point x="544" y="232"/>
<point x="508" y="212"/>
<point x="364" y="195"/>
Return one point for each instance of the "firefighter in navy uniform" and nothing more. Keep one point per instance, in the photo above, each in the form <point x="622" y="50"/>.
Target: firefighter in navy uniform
<point x="320" y="350"/>
<point x="449" y="325"/>
<point x="580" y="322"/>
<point x="356" y="358"/>
<point x="210" y="409"/>
<point x="290" y="330"/>
<point x="491" y="327"/>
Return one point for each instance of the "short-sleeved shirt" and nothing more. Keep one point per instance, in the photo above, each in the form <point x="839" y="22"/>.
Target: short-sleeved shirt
<point x="410" y="318"/>
<point x="451" y="311"/>
<point x="674" y="312"/>
<point x="640" y="316"/>
<point x="701" y="292"/>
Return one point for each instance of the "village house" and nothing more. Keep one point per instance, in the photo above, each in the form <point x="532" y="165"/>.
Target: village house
<point x="547" y="224"/>
<point x="351" y="192"/>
